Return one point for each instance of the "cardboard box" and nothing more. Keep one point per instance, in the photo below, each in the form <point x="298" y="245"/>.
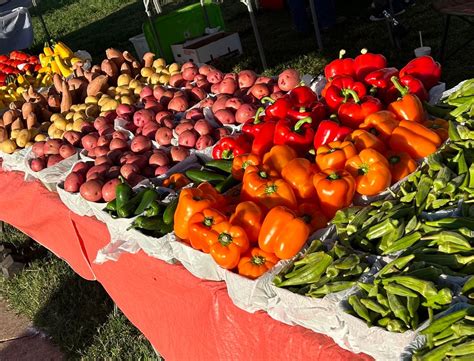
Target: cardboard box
<point x="207" y="48"/>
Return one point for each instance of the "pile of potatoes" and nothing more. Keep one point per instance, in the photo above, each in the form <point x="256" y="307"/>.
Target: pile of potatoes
<point x="50" y="152"/>
<point x="156" y="71"/>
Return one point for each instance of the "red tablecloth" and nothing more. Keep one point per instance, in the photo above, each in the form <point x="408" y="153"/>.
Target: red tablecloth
<point x="182" y="316"/>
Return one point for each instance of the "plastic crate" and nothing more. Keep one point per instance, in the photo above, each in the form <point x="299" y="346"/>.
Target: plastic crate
<point x="181" y="25"/>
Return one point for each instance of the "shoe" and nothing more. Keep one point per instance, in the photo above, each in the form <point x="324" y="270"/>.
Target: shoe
<point x="379" y="16"/>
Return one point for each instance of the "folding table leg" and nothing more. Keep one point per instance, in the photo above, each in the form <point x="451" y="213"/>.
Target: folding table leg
<point x="442" y="50"/>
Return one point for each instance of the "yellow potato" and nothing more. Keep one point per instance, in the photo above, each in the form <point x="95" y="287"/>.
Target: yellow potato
<point x="74" y="107"/>
<point x="40" y="138"/>
<point x="79" y="115"/>
<point x="51" y="130"/>
<point x="123" y="79"/>
<point x="14" y="133"/>
<point x="146" y="72"/>
<point x="70" y="115"/>
<point x="77" y="125"/>
<point x="158" y="69"/>
<point x="8" y="146"/>
<point x="138" y="89"/>
<point x="133" y="83"/>
<point x="111" y="92"/>
<point x="57" y="134"/>
<point x="23" y="138"/>
<point x="82" y="107"/>
<point x="69" y="126"/>
<point x="29" y="144"/>
<point x="165" y="72"/>
<point x="164" y="79"/>
<point x="91" y="100"/>
<point x="173" y="67"/>
<point x="126" y="99"/>
<point x="160" y="62"/>
<point x="56" y="116"/>
<point x="61" y="124"/>
<point x="155" y="79"/>
<point x="175" y="72"/>
<point x="112" y="104"/>
<point x="103" y="100"/>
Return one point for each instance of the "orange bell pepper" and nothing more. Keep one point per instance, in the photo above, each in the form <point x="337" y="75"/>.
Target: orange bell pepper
<point x="439" y="126"/>
<point x="221" y="200"/>
<point x="362" y="139"/>
<point x="335" y="190"/>
<point x="278" y="156"/>
<point x="299" y="174"/>
<point x="275" y="193"/>
<point x="254" y="177"/>
<point x="408" y="107"/>
<point x="334" y="155"/>
<point x="241" y="162"/>
<point x="371" y="171"/>
<point x="192" y="201"/>
<point x="401" y="165"/>
<point x="227" y="242"/>
<point x="249" y="216"/>
<point x="380" y="124"/>
<point x="176" y="181"/>
<point x="283" y="233"/>
<point x="200" y="225"/>
<point x="312" y="215"/>
<point x="256" y="262"/>
<point x="414" y="139"/>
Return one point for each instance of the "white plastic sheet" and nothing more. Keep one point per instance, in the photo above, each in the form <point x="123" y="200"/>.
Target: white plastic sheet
<point x="15" y="161"/>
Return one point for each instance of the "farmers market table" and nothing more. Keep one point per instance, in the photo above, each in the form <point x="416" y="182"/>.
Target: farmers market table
<point x="181" y="315"/>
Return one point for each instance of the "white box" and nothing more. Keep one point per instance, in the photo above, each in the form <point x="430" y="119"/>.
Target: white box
<point x="207" y="48"/>
<point x="140" y="44"/>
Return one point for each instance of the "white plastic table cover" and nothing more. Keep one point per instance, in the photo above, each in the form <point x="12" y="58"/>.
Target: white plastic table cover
<point x="16" y="30"/>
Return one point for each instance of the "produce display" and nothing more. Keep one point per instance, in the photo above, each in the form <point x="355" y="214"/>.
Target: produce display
<point x="364" y="191"/>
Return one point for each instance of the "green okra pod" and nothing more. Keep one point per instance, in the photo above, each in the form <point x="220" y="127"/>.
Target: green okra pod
<point x="375" y="306"/>
<point x="403" y="243"/>
<point x="398" y="308"/>
<point x="399" y="290"/>
<point x="396" y="326"/>
<point x="359" y="308"/>
<point x="446" y="321"/>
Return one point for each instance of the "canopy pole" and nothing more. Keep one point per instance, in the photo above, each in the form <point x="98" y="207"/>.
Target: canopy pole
<point x="316" y="24"/>
<point x="206" y="16"/>
<point x="256" y="33"/>
<point x="43" y="24"/>
<point x="149" y="13"/>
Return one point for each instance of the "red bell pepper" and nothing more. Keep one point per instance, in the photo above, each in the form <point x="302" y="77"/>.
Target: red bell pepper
<point x="340" y="67"/>
<point x="412" y="84"/>
<point x="263" y="141"/>
<point x="278" y="108"/>
<point x="299" y="136"/>
<point x="252" y="126"/>
<point x="337" y="93"/>
<point x="316" y="113"/>
<point x="353" y="113"/>
<point x="302" y="97"/>
<point x="231" y="146"/>
<point x="329" y="131"/>
<point x="380" y="79"/>
<point x="425" y="69"/>
<point x="19" y="55"/>
<point x="367" y="63"/>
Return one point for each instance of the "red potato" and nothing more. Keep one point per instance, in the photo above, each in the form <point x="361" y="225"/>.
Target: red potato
<point x="118" y="143"/>
<point x="244" y="113"/>
<point x="91" y="153"/>
<point x="232" y="76"/>
<point x="153" y="105"/>
<point x="143" y="116"/>
<point x="37" y="164"/>
<point x="115" y="155"/>
<point x="38" y="148"/>
<point x="178" y="104"/>
<point x="89" y="141"/>
<point x="125" y="110"/>
<point x="274" y="88"/>
<point x="108" y="189"/>
<point x="188" y="64"/>
<point x="51" y="146"/>
<point x="103" y="160"/>
<point x="87" y="128"/>
<point x="215" y="77"/>
<point x="166" y="98"/>
<point x="259" y="91"/>
<point x="264" y="80"/>
<point x="146" y="92"/>
<point x="148" y="171"/>
<point x="113" y="172"/>
<point x="234" y="103"/>
<point x="277" y="95"/>
<point x="203" y="127"/>
<point x="221" y="133"/>
<point x="177" y="80"/>
<point x="198" y="94"/>
<point x="101" y="151"/>
<point x="72" y="137"/>
<point x="188" y="138"/>
<point x="204" y="85"/>
<point x="134" y="179"/>
<point x="149" y="130"/>
<point x="106" y="130"/>
<point x="140" y="160"/>
<point x="168" y="122"/>
<point x="66" y="151"/>
<point x="140" y="144"/>
<point x="130" y="126"/>
<point x="247" y="78"/>
<point x="163" y="136"/>
<point x="205" y="69"/>
<point x="82" y="167"/>
<point x="53" y="159"/>
<point x="104" y="140"/>
<point x="101" y="122"/>
<point x="159" y="158"/>
<point x="228" y="86"/>
<point x="158" y="91"/>
<point x="289" y="79"/>
<point x="216" y="88"/>
<point x="184" y="124"/>
<point x="110" y="116"/>
<point x="194" y="114"/>
<point x="163" y="114"/>
<point x="189" y="73"/>
<point x="161" y="170"/>
<point x="225" y="116"/>
<point x="99" y="170"/>
<point x="91" y="190"/>
<point x="206" y="103"/>
<point x="200" y="77"/>
<point x="179" y="153"/>
<point x="204" y="141"/>
<point x="127" y="169"/>
<point x="220" y="103"/>
<point x="73" y="182"/>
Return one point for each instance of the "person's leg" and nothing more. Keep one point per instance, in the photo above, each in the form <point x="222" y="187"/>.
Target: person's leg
<point x="326" y="11"/>
<point x="299" y="15"/>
